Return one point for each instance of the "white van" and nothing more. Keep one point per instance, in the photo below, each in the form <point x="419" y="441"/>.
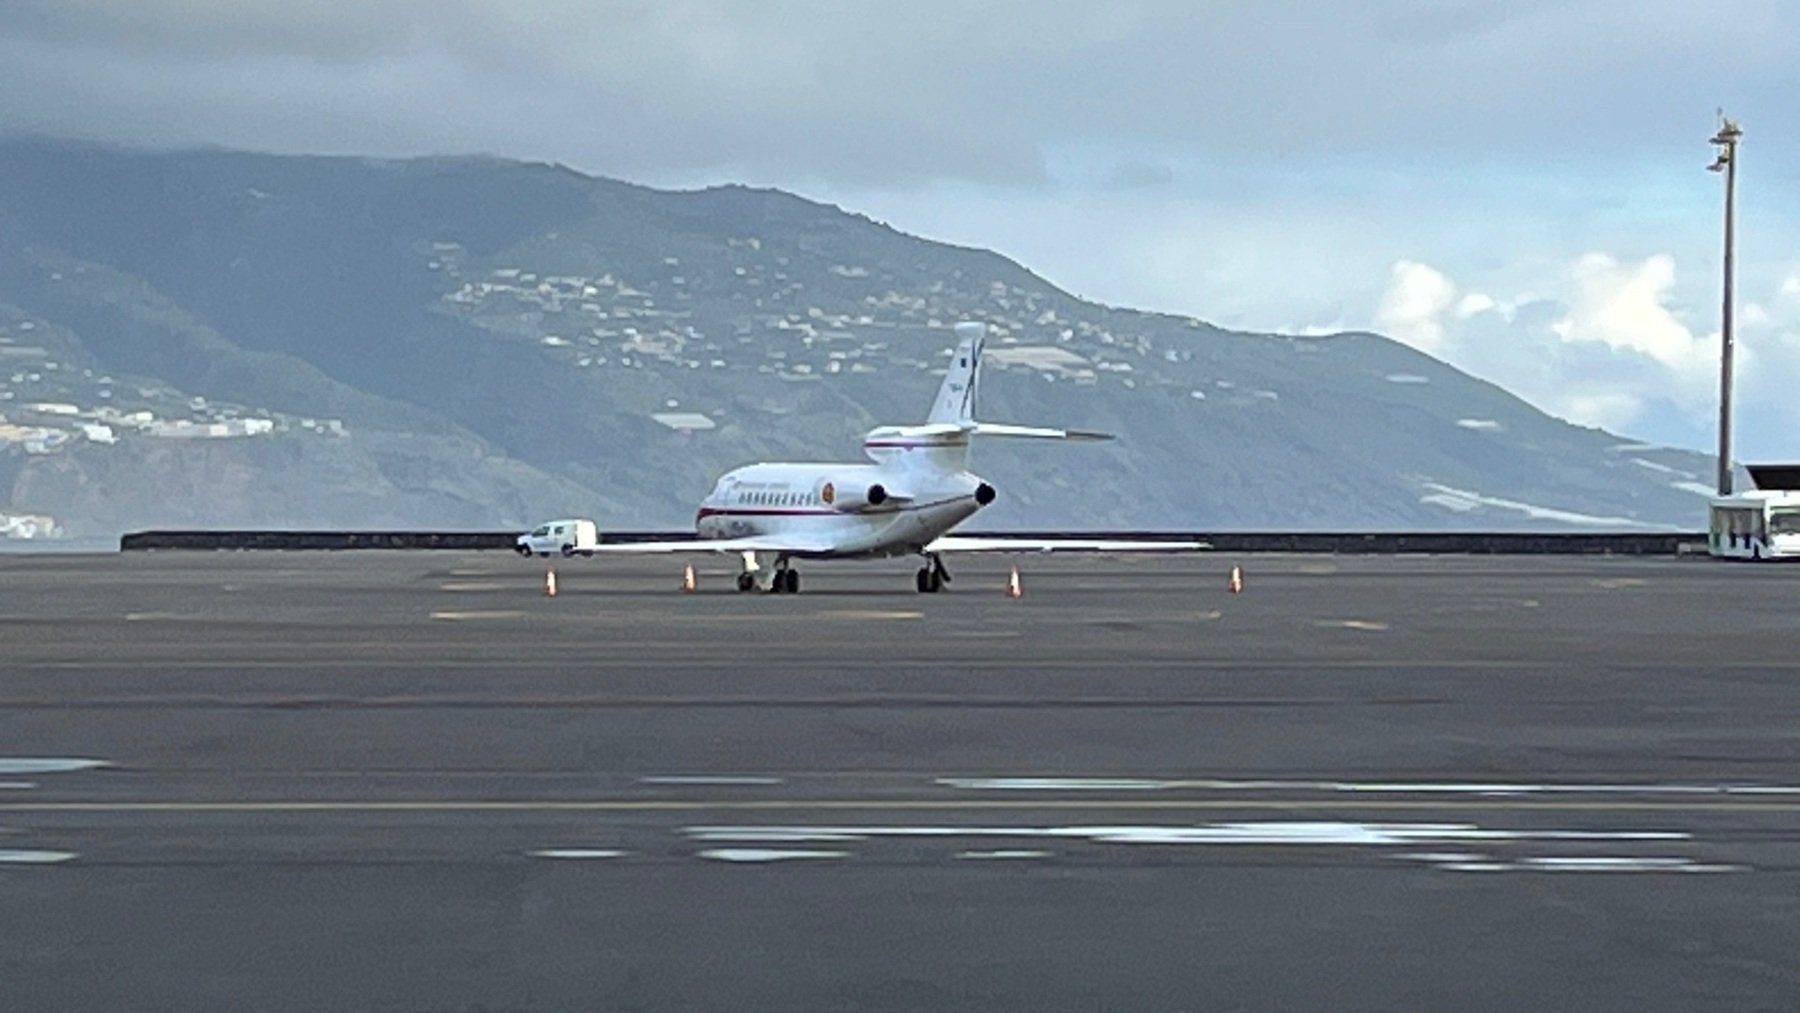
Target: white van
<point x="568" y="537"/>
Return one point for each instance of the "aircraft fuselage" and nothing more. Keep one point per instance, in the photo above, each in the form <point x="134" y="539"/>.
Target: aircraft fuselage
<point x="859" y="510"/>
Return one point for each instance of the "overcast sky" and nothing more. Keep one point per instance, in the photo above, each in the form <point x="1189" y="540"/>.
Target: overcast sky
<point x="1516" y="187"/>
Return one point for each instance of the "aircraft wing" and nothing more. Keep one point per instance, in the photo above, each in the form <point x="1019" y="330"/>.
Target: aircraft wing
<point x="753" y="543"/>
<point x="959" y="543"/>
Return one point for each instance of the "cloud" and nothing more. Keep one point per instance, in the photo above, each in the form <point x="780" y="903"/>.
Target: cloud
<point x="1417" y="296"/>
<point x="1624" y="305"/>
<point x="1605" y="350"/>
<point x="1474" y="303"/>
<point x="1612" y="410"/>
<point x="899" y="94"/>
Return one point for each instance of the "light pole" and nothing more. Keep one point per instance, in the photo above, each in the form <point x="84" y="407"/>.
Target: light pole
<point x="1726" y="161"/>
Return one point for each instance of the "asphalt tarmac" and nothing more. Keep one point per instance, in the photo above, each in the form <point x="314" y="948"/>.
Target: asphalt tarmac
<point x="411" y="781"/>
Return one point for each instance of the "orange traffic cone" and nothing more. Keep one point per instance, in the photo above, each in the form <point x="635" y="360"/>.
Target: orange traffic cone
<point x="549" y="583"/>
<point x="1013" y="588"/>
<point x="687" y="578"/>
<point x="1237" y="580"/>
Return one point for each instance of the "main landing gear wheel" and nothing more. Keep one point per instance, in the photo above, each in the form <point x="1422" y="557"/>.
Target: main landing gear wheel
<point x="746" y="582"/>
<point x="786" y="581"/>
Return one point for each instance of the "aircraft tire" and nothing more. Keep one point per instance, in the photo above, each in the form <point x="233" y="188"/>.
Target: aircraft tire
<point x="746" y="582"/>
<point x="790" y="581"/>
<point x="923" y="580"/>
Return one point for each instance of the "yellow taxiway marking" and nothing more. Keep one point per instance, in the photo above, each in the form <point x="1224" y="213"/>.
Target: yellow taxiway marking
<point x="492" y="614"/>
<point x="880" y="805"/>
<point x="1354" y="624"/>
<point x="871" y="614"/>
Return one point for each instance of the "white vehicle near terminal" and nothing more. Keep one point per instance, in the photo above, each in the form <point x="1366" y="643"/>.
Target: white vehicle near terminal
<point x="1758" y="524"/>
<point x="917" y="488"/>
<point x="568" y="537"/>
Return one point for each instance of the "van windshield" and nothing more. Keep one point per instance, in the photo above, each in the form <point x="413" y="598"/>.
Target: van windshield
<point x="1784" y="522"/>
<point x="541" y="532"/>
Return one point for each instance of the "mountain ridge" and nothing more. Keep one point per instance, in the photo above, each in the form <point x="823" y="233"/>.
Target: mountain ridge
<point x="557" y="343"/>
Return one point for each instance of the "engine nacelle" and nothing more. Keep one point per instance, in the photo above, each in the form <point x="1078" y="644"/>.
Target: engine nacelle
<point x="851" y="499"/>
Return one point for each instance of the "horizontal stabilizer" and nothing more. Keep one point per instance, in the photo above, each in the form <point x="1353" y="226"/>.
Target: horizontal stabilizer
<point x="1035" y="432"/>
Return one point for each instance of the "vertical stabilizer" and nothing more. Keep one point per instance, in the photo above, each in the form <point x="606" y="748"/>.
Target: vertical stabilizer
<point x="956" y="398"/>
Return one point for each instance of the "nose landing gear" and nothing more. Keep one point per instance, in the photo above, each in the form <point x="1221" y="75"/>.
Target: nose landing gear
<point x="931" y="578"/>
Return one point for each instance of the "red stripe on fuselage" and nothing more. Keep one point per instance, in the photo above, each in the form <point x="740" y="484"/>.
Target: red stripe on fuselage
<point x="767" y="512"/>
<point x="707" y="511"/>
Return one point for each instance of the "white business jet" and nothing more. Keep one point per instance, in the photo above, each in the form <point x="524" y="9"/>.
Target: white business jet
<point x="904" y="504"/>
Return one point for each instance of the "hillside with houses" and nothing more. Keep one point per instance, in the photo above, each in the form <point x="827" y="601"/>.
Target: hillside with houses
<point x="226" y="339"/>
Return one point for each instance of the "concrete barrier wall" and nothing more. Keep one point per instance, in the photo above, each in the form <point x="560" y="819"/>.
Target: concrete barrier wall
<point x="1371" y="543"/>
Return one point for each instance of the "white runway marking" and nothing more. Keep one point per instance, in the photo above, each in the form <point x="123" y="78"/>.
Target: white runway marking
<point x="1373" y="787"/>
<point x="52" y="765"/>
<point x="1303" y="834"/>
<point x="724" y="781"/>
<point x="1273" y="832"/>
<point x="1621" y="865"/>
<point x="1606" y="865"/>
<point x="1056" y="783"/>
<point x="17" y="785"/>
<point x="767" y="855"/>
<point x="16" y="857"/>
<point x="770" y="835"/>
<point x="577" y="853"/>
